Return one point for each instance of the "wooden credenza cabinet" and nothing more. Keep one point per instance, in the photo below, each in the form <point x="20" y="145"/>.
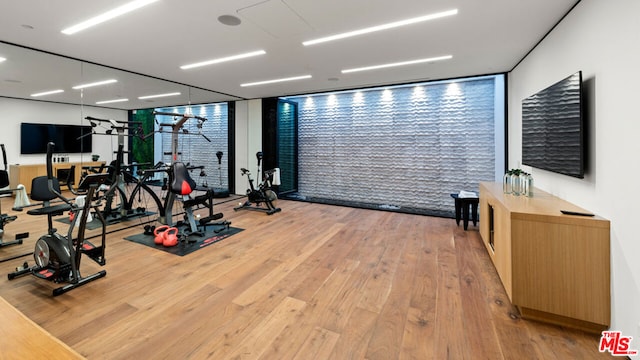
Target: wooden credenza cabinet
<point x="23" y="174"/>
<point x="554" y="267"/>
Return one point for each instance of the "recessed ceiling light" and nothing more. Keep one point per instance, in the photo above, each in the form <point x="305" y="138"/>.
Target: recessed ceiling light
<point x="158" y="95"/>
<point x="402" y="63"/>
<point x="121" y="10"/>
<point x="2" y="59"/>
<point x="276" y="80"/>
<point x="44" y="93"/>
<point x="224" y="59"/>
<point x="111" y="101"/>
<point x="382" y="27"/>
<point x="229" y="20"/>
<point x="97" y="83"/>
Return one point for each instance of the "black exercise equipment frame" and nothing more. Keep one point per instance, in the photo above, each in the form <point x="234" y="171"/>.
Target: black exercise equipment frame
<point x="189" y="201"/>
<point x="62" y="271"/>
<point x="262" y="194"/>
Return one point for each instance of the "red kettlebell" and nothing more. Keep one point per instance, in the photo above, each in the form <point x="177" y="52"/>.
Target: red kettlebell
<point x="170" y="237"/>
<point x="159" y="234"/>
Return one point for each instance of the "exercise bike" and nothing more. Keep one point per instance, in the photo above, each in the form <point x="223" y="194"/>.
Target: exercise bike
<point x="263" y="194"/>
<point x="57" y="256"/>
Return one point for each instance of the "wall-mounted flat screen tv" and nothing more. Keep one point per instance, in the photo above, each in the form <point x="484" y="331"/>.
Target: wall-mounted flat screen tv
<point x="69" y="139"/>
<point x="553" y="128"/>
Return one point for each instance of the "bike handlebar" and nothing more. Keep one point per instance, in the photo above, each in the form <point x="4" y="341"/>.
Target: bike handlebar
<point x="50" y="147"/>
<point x="134" y="127"/>
<point x="4" y="157"/>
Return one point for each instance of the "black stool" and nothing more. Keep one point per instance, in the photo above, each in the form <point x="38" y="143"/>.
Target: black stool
<point x="462" y="206"/>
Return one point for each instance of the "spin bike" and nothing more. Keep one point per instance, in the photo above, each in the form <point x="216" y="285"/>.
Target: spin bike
<point x="263" y="194"/>
<point x="57" y="256"/>
<point x="126" y="195"/>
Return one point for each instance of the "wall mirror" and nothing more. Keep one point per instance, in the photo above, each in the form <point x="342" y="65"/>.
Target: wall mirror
<point x="40" y="87"/>
<point x="27" y="74"/>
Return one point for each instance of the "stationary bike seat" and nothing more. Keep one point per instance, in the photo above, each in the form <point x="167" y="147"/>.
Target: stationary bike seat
<point x="53" y="210"/>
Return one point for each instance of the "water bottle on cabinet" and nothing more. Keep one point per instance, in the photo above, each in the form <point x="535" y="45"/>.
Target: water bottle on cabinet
<point x="506" y="185"/>
<point x="528" y="183"/>
<point x="516" y="184"/>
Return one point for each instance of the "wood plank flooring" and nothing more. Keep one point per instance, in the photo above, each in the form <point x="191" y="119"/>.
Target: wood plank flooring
<point x="312" y="282"/>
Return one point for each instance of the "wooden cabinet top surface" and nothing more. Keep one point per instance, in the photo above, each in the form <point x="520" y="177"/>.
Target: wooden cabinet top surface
<point x="24" y="339"/>
<point x="542" y="206"/>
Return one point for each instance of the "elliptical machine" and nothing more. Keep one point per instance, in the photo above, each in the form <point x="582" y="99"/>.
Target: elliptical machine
<point x="263" y="194"/>
<point x="57" y="256"/>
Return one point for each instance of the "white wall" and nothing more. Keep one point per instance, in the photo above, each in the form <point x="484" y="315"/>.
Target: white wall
<point x="600" y="38"/>
<point x="248" y="137"/>
<point x="15" y="111"/>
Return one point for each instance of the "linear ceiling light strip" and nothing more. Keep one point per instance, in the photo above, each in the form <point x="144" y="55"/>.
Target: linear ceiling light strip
<point x="158" y="95"/>
<point x="382" y="27"/>
<point x="402" y="63"/>
<point x="45" y="93"/>
<point x="121" y="10"/>
<point x="224" y="59"/>
<point x="97" y="83"/>
<point x="111" y="101"/>
<point x="276" y="80"/>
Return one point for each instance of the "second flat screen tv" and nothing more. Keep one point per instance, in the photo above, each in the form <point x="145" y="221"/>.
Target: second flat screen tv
<point x="552" y="128"/>
<point x="69" y="139"/>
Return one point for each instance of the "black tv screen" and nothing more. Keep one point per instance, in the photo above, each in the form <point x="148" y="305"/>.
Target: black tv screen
<point x="69" y="139"/>
<point x="552" y="128"/>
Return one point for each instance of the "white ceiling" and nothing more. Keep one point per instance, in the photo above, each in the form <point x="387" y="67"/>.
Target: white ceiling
<point x="485" y="37"/>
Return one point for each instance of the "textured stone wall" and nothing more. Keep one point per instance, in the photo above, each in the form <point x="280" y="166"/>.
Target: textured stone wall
<point x="196" y="149"/>
<point x="399" y="147"/>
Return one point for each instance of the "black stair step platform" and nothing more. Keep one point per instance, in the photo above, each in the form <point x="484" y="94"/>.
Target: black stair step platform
<point x="95" y="253"/>
<point x="46" y="273"/>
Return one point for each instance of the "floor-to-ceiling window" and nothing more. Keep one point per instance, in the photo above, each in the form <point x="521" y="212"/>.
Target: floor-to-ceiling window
<point x="401" y="147"/>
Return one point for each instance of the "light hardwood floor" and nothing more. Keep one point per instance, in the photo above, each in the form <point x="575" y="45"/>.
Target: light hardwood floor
<point x="312" y="282"/>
